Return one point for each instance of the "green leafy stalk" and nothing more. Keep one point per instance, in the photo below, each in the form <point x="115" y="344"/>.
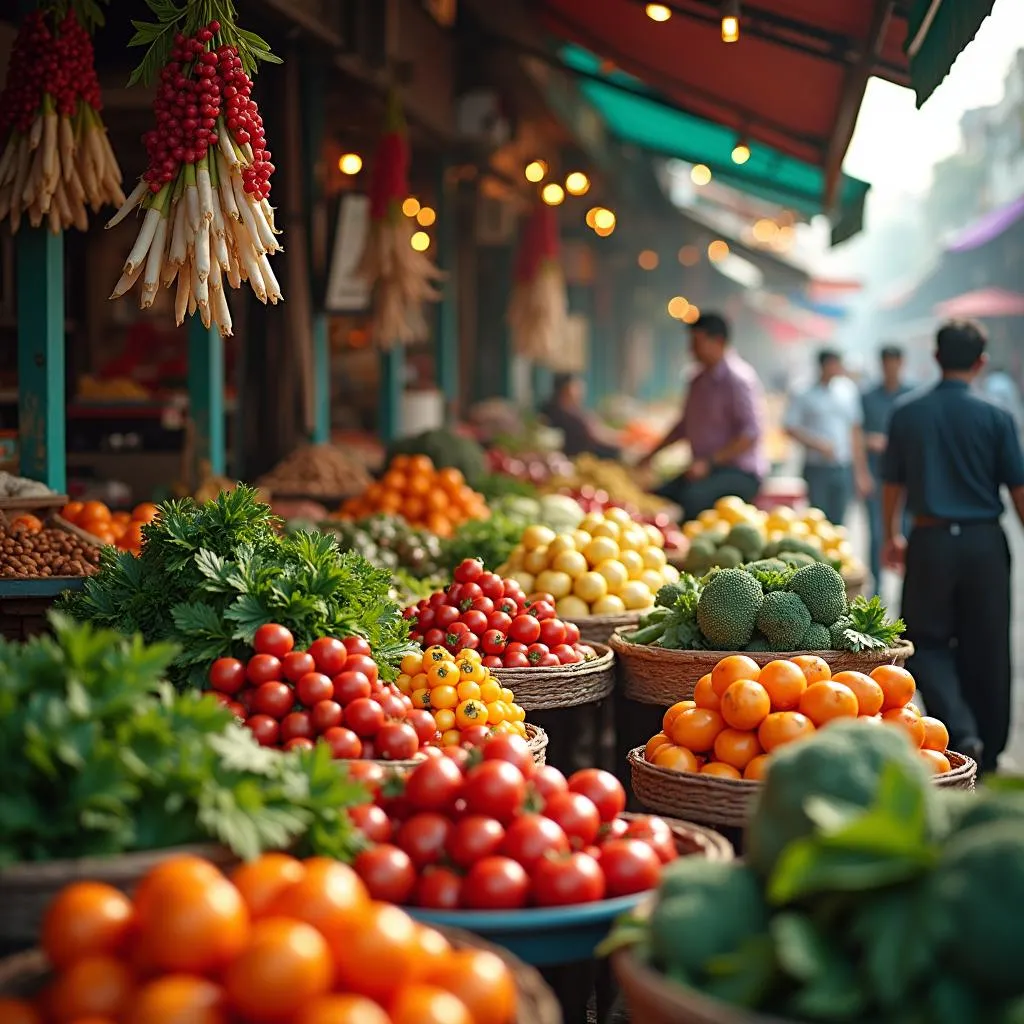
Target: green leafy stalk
<point x="869" y="627"/>
<point x="89" y="13"/>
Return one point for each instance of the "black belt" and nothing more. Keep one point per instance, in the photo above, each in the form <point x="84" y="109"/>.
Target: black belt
<point x="954" y="526"/>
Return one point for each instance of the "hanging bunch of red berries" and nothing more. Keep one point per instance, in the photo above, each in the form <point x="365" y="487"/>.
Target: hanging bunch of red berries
<point x="56" y="157"/>
<point x="208" y="221"/>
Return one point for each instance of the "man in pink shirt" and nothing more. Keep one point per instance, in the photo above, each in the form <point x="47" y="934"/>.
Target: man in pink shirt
<point x="723" y="421"/>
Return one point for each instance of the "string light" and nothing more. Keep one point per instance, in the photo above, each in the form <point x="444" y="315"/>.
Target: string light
<point x="552" y="193"/>
<point x="677" y="307"/>
<point x="604" y="220"/>
<point x="692" y="314"/>
<point x="700" y="174"/>
<point x="730" y="21"/>
<point x="420" y="241"/>
<point x="411" y="206"/>
<point x="535" y="171"/>
<point x="718" y="250"/>
<point x="657" y="12"/>
<point x="591" y="216"/>
<point x="604" y="232"/>
<point x="648" y="260"/>
<point x="740" y="152"/>
<point x="689" y="255"/>
<point x="577" y="184"/>
<point x="426" y="216"/>
<point x="350" y="163"/>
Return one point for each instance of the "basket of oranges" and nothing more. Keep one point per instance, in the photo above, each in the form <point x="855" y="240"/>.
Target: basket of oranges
<point x="712" y="751"/>
<point x="95" y="522"/>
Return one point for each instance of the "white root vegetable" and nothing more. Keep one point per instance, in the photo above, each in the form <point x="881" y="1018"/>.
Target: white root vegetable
<point x="138" y="193"/>
<point x="145" y="239"/>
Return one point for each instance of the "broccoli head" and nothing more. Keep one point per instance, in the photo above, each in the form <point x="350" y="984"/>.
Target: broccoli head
<point x="699" y="560"/>
<point x="817" y="638"/>
<point x="837" y="633"/>
<point x="669" y="594"/>
<point x="796" y="559"/>
<point x="822" y="589"/>
<point x="766" y="565"/>
<point x="704" y="544"/>
<point x="798" y="546"/>
<point x="747" y="539"/>
<point x="783" y="619"/>
<point x="728" y="557"/>
<point x="727" y="610"/>
<point x="758" y="644"/>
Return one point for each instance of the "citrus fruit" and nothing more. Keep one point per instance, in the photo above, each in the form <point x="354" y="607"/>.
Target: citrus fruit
<point x="782" y="727"/>
<point x="897" y="684"/>
<point x="815" y="669"/>
<point x="758" y="767"/>
<point x="936" y="735"/>
<point x="674" y="712"/>
<point x="696" y="729"/>
<point x="85" y="919"/>
<point x="745" y="704"/>
<point x="936" y="760"/>
<point x="785" y="683"/>
<point x="721" y="770"/>
<point x="868" y="693"/>
<point x="675" y="758"/>
<point x="824" y="701"/>
<point x="736" y="747"/>
<point x="909" y="721"/>
<point x="704" y="695"/>
<point x="728" y="670"/>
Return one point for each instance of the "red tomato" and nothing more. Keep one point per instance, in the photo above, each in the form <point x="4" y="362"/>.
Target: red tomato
<point x="445" y="616"/>
<point x="629" y="866"/>
<point x="438" y="600"/>
<point x="537" y="653"/>
<point x="370" y="775"/>
<point x="525" y="629"/>
<point x="492" y="661"/>
<point x="576" y="814"/>
<point x="329" y="654"/>
<point x="299" y="743"/>
<point x="602" y="789"/>
<point x="456" y="633"/>
<point x="475" y="622"/>
<point x="297" y="725"/>
<point x="295" y="664"/>
<point x="566" y="655"/>
<point x="472" y="838"/>
<point x="344" y="743"/>
<point x="495" y="883"/>
<point x="469" y="570"/>
<point x="387" y="873"/>
<point x="237" y="709"/>
<point x="493" y="641"/>
<point x="552" y="632"/>
<point x="227" y="675"/>
<point x="365" y="664"/>
<point x="265" y="729"/>
<point x="613" y="830"/>
<point x="396" y="741"/>
<point x="469" y="593"/>
<point x="531" y="837"/>
<point x="544" y="609"/>
<point x="433" y="637"/>
<point x="434" y="785"/>
<point x="262" y="668"/>
<point x="314" y="687"/>
<point x="393" y="704"/>
<point x="562" y="881"/>
<point x="273" y="639"/>
<point x="460" y="755"/>
<point x="499" y="621"/>
<point x="509" y="605"/>
<point x="469" y="642"/>
<point x="475" y="736"/>
<point x="425" y="619"/>
<point x="515" y="660"/>
<point x="424" y="724"/>
<point x="364" y="717"/>
<point x="350" y="686"/>
<point x="357" y="645"/>
<point x="439" y="889"/>
<point x="371" y="821"/>
<point x="515" y="647"/>
<point x="274" y="699"/>
<point x="326" y="714"/>
<point x="514" y="749"/>
<point x="495" y="788"/>
<point x="548" y="780"/>
<point x="491" y="586"/>
<point x="483" y="604"/>
<point x="423" y="837"/>
<point x="655" y="832"/>
<point x="572" y="633"/>
<point x="549" y="661"/>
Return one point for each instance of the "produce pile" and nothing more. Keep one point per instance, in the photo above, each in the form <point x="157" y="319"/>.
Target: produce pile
<point x="592" y="474"/>
<point x="317" y="471"/>
<point x="865" y="894"/>
<point x="446" y="449"/>
<point x="436" y="499"/>
<point x="390" y="542"/>
<point x="734" y="532"/>
<point x="497" y="832"/>
<point x="767" y="606"/>
<point x="30" y="550"/>
<point x="482" y="612"/>
<point x="537" y="467"/>
<point x="101" y="758"/>
<point x="12" y="486"/>
<point x="741" y="714"/>
<point x="280" y="940"/>
<point x="608" y="565"/>
<point x="122" y="529"/>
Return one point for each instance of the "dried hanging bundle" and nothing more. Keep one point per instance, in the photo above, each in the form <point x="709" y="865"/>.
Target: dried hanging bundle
<point x="55" y="157"/>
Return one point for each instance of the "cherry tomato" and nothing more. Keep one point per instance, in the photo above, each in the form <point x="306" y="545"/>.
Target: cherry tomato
<point x="297" y="725"/>
<point x="396" y="741"/>
<point x="364" y="717"/>
<point x="425" y="619"/>
<point x="509" y="605"/>
<point x="483" y="604"/>
<point x="438" y="600"/>
<point x="602" y="789"/>
<point x="387" y="873"/>
<point x="357" y="645"/>
<point x="237" y="709"/>
<point x="469" y="570"/>
<point x="445" y="616"/>
<point x="492" y="661"/>
<point x="563" y="881"/>
<point x="499" y="621"/>
<point x="495" y="788"/>
<point x="273" y="639"/>
<point x="515" y="659"/>
<point x="472" y="838"/>
<point x="491" y="586"/>
<point x="367" y="751"/>
<point x="299" y="743"/>
<point x="344" y="743"/>
<point x="525" y="629"/>
<point x="329" y="654"/>
<point x="314" y="687"/>
<point x="549" y="661"/>
<point x="495" y="883"/>
<point x="439" y="889"/>
<point x="456" y="632"/>
<point x="615" y="829"/>
<point x="423" y="837"/>
<point x="566" y="655"/>
<point x="543" y="609"/>
<point x="433" y="637"/>
<point x="369" y="774"/>
<point x="265" y="729"/>
<point x="537" y="653"/>
<point x="295" y="664"/>
<point x="371" y="821"/>
<point x="469" y="593"/>
<point x="393" y="705"/>
<point x="515" y="647"/>
<point x="531" y="837"/>
<point x="655" y="832"/>
<point x="552" y="632"/>
<point x="263" y="668"/>
<point x="227" y="675"/>
<point x="493" y="641"/>
<point x="350" y="686"/>
<point x="476" y="736"/>
<point x="326" y="714"/>
<point x="576" y="814"/>
<point x="365" y="664"/>
<point x="424" y="724"/>
<point x="629" y="866"/>
<point x="434" y="785"/>
<point x="572" y="633"/>
<point x="460" y="755"/>
<point x="513" y="749"/>
<point x="469" y="642"/>
<point x="274" y="699"/>
<point x="475" y="622"/>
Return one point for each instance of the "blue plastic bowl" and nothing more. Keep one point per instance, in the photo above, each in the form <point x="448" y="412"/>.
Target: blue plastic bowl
<point x="541" y="936"/>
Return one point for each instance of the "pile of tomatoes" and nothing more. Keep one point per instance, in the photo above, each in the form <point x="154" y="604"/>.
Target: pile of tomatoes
<point x="123" y="529"/>
<point x="491" y="830"/>
<point x="282" y="941"/>
<point x="481" y="611"/>
<point x="330" y="693"/>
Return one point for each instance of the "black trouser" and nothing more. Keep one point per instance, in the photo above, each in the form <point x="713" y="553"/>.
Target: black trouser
<point x="694" y="496"/>
<point x="956" y="603"/>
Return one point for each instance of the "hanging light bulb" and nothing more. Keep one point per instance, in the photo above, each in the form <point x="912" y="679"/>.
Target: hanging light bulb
<point x="740" y="152"/>
<point x="577" y="184"/>
<point x="552" y="193"/>
<point x="420" y="241"/>
<point x="535" y="170"/>
<point x="604" y="220"/>
<point x="411" y="206"/>
<point x="657" y="12"/>
<point x="700" y="174"/>
<point x="350" y="163"/>
<point x="677" y="307"/>
<point x="426" y="216"/>
<point x="718" y="250"/>
<point x="730" y="21"/>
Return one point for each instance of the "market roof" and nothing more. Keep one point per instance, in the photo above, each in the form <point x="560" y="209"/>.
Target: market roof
<point x="982" y="304"/>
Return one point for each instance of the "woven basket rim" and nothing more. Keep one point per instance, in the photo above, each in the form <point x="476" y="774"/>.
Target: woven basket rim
<point x="620" y="619"/>
<point x="538" y="689"/>
<point x="604" y="659"/>
<point x="704" y="838"/>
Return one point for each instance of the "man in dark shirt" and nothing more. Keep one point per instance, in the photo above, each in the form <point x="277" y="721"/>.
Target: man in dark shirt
<point x="581" y="433"/>
<point x="949" y="453"/>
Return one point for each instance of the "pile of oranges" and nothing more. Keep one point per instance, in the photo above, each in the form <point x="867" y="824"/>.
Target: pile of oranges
<point x="282" y="940"/>
<point x="467" y="702"/>
<point x="123" y="529"/>
<point x="741" y="713"/>
<point x="437" y="500"/>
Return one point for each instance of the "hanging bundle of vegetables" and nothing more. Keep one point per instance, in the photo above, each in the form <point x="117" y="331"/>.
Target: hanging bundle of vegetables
<point x="538" y="309"/>
<point x="55" y="157"/>
<point x="208" y="224"/>
<point x="401" y="277"/>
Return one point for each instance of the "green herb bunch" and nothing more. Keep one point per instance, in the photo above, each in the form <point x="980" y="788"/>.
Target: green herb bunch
<point x="101" y="757"/>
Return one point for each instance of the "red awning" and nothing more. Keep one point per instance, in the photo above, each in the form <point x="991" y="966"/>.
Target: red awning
<point x="982" y="304"/>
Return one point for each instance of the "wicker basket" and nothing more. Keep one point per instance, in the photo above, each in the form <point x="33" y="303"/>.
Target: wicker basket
<point x="566" y="686"/>
<point x="537" y="741"/>
<point x="597" y="629"/>
<point x="728" y="802"/>
<point x="27" y="889"/>
<point x="655" y="675"/>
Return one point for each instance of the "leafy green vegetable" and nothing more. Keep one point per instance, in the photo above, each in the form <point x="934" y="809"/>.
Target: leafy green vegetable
<point x="490" y="539"/>
<point x="673" y="627"/>
<point x="869" y="627"/>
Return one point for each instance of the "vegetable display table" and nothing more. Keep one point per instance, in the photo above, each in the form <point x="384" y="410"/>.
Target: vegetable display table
<point x="25" y="603"/>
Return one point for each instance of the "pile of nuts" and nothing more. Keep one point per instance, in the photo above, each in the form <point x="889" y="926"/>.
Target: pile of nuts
<point x="47" y="552"/>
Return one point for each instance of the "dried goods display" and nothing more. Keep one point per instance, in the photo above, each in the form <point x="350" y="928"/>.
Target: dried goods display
<point x="31" y="550"/>
<point x="317" y="471"/>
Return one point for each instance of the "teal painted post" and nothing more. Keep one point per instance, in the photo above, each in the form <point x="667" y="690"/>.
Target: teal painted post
<point x="206" y="395"/>
<point x="446" y="338"/>
<point x="39" y="264"/>
<point x="321" y="379"/>
<point x="392" y="386"/>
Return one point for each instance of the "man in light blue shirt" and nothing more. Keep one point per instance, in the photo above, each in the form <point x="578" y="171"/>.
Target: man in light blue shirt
<point x="827" y="420"/>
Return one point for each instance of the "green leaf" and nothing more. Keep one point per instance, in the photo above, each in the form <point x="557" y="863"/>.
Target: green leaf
<point x="745" y="977"/>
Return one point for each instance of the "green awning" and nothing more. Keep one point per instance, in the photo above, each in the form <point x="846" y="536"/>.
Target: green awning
<point x="642" y="118"/>
<point x="937" y="30"/>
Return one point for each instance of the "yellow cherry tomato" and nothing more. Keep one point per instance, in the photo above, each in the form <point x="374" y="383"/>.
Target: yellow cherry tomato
<point x="572" y="608"/>
<point x="467" y="654"/>
<point x="444" y="719"/>
<point x="471" y="671"/>
<point x="507" y="695"/>
<point x="654" y="558"/>
<point x="615" y="573"/>
<point x="421" y="699"/>
<point x="601" y="549"/>
<point x="495" y="713"/>
<point x="443" y="697"/>
<point x="470" y="713"/>
<point x="451" y="738"/>
<point x="518" y="713"/>
<point x="404" y="684"/>
<point x="563" y="542"/>
<point x="412" y="663"/>
<point x="436" y="654"/>
<point x="444" y="673"/>
<point x="490" y="691"/>
<point x="468" y="690"/>
<point x="636" y="595"/>
<point x="557" y="584"/>
<point x="590" y="587"/>
<point x="537" y="537"/>
<point x="536" y="561"/>
<point x="570" y="563"/>
<point x="634" y="563"/>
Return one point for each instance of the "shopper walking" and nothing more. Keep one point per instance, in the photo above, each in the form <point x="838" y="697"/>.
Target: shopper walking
<point x="827" y="421"/>
<point x="723" y="421"/>
<point x="878" y="403"/>
<point x="949" y="453"/>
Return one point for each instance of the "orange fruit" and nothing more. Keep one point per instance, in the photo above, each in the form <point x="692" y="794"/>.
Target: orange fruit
<point x="420" y="464"/>
<point x="427" y="1004"/>
<point x="936" y="760"/>
<point x="262" y="880"/>
<point x="96" y="986"/>
<point x="745" y="704"/>
<point x="18" y="1011"/>
<point x="696" y="729"/>
<point x="145" y="512"/>
<point x="85" y="919"/>
<point x="736" y="748"/>
<point x="868" y="693"/>
<point x="71" y="511"/>
<point x="95" y="510"/>
<point x="177" y="998"/>
<point x="677" y="759"/>
<point x="897" y="684"/>
<point x="825" y="701"/>
<point x="654" y="744"/>
<point x="909" y="721"/>
<point x="336" y="1009"/>
<point x="481" y="980"/>
<point x="721" y="770"/>
<point x="27" y="521"/>
<point x="758" y="767"/>
<point x="728" y="670"/>
<point x="674" y="712"/>
<point x="327" y="892"/>
<point x="375" y="950"/>
<point x="704" y="695"/>
<point x="936" y="735"/>
<point x="782" y="727"/>
<point x="815" y="669"/>
<point x="785" y="683"/>
<point x="451" y="478"/>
